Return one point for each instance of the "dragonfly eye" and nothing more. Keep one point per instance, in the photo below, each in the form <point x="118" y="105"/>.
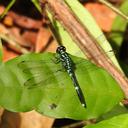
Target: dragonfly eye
<point x="60" y="48"/>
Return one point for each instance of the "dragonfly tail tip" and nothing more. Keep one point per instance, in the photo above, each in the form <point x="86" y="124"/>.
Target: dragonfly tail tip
<point x="84" y="105"/>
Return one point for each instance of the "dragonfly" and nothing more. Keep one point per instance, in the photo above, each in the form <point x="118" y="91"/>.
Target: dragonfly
<point x="65" y="60"/>
<point x="68" y="64"/>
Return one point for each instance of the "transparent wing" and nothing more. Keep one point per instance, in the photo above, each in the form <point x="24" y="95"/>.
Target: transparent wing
<point x="47" y="82"/>
<point x="38" y="66"/>
<point x="58" y="78"/>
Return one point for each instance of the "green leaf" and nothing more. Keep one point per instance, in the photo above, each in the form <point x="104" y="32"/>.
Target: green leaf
<point x="52" y="91"/>
<point x="115" y="122"/>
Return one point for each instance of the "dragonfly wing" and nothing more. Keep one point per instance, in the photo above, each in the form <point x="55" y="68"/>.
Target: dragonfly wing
<point x="40" y="66"/>
<point x="32" y="63"/>
<point x="47" y="81"/>
<point x="90" y="67"/>
<point x="87" y="64"/>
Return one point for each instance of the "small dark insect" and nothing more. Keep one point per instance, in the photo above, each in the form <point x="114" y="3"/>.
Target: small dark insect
<point x="52" y="106"/>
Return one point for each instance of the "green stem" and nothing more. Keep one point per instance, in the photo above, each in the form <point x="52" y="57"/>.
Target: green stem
<point x="7" y="8"/>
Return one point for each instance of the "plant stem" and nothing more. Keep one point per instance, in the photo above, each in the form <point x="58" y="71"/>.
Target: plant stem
<point x="80" y="124"/>
<point x="116" y="10"/>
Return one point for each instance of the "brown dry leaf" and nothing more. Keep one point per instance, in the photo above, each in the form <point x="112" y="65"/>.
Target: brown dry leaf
<point x="52" y="47"/>
<point x="43" y="38"/>
<point x="1" y="113"/>
<point x="1" y="9"/>
<point x="20" y="39"/>
<point x="30" y="36"/>
<point x="24" y="21"/>
<point x="8" y="54"/>
<point x="30" y="119"/>
<point x="8" y="21"/>
<point x="13" y="40"/>
<point x="102" y="14"/>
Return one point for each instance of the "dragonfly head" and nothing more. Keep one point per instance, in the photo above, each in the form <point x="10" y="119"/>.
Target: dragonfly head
<point x="60" y="49"/>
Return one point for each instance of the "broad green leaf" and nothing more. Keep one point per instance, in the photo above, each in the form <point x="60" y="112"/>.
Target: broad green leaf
<point x="118" y="28"/>
<point x="120" y="121"/>
<point x="35" y="81"/>
<point x="88" y="21"/>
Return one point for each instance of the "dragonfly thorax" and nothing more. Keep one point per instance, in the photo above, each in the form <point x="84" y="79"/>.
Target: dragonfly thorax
<point x="60" y="49"/>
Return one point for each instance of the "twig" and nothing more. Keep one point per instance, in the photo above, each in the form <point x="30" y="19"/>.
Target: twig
<point x="80" y="124"/>
<point x="116" y="10"/>
<point x="13" y="43"/>
<point x="84" y="40"/>
<point x="8" y="37"/>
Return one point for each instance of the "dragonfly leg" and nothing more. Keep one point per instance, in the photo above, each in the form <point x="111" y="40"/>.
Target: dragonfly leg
<point x="56" y="60"/>
<point x="61" y="70"/>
